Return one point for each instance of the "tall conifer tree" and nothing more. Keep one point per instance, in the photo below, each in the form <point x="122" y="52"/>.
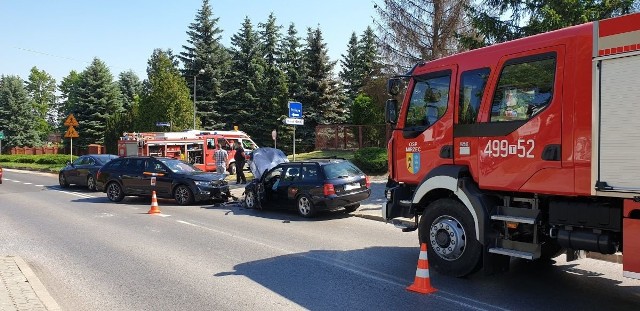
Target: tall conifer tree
<point x="205" y="52"/>
<point x="16" y="115"/>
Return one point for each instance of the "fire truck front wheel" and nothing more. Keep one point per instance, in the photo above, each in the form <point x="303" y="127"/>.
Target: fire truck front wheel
<point x="448" y="229"/>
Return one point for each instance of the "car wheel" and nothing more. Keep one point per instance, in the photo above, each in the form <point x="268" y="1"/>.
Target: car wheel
<point x="183" y="195"/>
<point x="63" y="181"/>
<point x="114" y="192"/>
<point x="305" y="206"/>
<point x="351" y="208"/>
<point x="250" y="199"/>
<point x="449" y="231"/>
<point x="91" y="183"/>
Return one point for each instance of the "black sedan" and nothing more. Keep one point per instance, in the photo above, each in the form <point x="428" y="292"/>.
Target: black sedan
<point x="169" y="178"/>
<point x="83" y="170"/>
<point x="307" y="186"/>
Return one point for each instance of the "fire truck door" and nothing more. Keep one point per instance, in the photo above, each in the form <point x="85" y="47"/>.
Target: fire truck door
<point x="522" y="134"/>
<point x="424" y="138"/>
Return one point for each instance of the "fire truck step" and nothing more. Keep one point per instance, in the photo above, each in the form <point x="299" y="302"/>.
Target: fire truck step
<point x="512" y="253"/>
<point x="514" y="214"/>
<point x="524" y="250"/>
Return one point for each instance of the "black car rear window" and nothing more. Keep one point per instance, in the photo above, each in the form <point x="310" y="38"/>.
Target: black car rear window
<point x="341" y="169"/>
<point x="115" y="164"/>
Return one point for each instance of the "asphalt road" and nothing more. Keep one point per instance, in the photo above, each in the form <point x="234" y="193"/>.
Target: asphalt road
<point x="92" y="254"/>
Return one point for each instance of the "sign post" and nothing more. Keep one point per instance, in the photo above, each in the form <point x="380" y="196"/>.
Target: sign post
<point x="274" y="134"/>
<point x="2" y="137"/>
<point x="71" y="132"/>
<point x="295" y="118"/>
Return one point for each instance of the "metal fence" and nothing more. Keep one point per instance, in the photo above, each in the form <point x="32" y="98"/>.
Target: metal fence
<point x="351" y="137"/>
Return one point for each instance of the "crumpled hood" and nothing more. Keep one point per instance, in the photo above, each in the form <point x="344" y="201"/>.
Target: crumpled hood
<point x="265" y="158"/>
<point x="204" y="176"/>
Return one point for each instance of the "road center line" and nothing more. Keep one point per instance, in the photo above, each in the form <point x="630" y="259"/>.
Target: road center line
<point x="82" y="195"/>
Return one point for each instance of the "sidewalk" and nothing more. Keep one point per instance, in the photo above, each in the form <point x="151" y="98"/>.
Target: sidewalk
<point x="371" y="208"/>
<point x="20" y="288"/>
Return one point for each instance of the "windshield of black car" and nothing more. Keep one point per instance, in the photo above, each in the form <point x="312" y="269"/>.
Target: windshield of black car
<point x="342" y="169"/>
<point x="178" y="166"/>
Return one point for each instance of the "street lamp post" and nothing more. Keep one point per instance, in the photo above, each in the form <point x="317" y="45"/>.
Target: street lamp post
<point x="194" y="96"/>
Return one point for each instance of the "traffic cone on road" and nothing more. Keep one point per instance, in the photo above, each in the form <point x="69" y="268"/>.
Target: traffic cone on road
<point x="154" y="205"/>
<point x="422" y="284"/>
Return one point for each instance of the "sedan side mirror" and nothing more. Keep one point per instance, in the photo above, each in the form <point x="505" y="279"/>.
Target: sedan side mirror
<point x="393" y="86"/>
<point x="69" y="163"/>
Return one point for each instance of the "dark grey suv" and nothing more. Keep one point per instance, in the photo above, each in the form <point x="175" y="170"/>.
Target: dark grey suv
<point x="169" y="178"/>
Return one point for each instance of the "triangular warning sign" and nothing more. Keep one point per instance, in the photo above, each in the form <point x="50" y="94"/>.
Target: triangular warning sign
<point x="71" y="133"/>
<point x="71" y="121"/>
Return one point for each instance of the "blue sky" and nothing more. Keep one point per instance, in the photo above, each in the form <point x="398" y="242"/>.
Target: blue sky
<point x="64" y="35"/>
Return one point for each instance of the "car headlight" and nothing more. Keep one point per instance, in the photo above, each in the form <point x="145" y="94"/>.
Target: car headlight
<point x="202" y="183"/>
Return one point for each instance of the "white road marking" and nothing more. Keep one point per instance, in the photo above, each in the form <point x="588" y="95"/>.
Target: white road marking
<point x="356" y="270"/>
<point x="7" y="179"/>
<point x="39" y="185"/>
<point x="28" y="183"/>
<point x="82" y="195"/>
<point x="15" y="180"/>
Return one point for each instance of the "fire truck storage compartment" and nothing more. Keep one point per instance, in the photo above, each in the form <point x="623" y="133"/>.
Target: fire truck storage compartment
<point x="619" y="130"/>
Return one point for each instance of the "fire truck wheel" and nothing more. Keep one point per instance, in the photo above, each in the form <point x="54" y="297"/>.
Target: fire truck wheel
<point x="182" y="194"/>
<point x="448" y="229"/>
<point x="63" y="181"/>
<point x="114" y="192"/>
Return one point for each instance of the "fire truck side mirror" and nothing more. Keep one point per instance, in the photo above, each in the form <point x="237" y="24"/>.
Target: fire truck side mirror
<point x="391" y="111"/>
<point x="393" y="86"/>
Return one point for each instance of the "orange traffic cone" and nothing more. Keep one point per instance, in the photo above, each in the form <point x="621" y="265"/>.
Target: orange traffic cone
<point x="422" y="284"/>
<point x="154" y="205"/>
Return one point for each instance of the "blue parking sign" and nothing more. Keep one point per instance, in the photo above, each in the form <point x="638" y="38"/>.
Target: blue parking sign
<point x="295" y="110"/>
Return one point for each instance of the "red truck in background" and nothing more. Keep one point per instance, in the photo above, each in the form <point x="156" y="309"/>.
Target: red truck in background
<point x="197" y="147"/>
<point x="524" y="149"/>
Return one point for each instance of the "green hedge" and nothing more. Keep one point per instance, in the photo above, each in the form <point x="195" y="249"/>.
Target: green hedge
<point x="60" y="159"/>
<point x="372" y="160"/>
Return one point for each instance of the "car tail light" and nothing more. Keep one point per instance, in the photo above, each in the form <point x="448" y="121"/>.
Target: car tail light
<point x="367" y="180"/>
<point x="329" y="189"/>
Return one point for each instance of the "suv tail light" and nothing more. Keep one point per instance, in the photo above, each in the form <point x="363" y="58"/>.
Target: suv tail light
<point x="367" y="180"/>
<point x="329" y="189"/>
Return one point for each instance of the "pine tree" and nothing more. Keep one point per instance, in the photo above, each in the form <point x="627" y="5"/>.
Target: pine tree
<point x="41" y="88"/>
<point x="16" y="115"/>
<point x="352" y="72"/>
<point x="274" y="92"/>
<point x="245" y="80"/>
<point x="98" y="98"/>
<point x="291" y="63"/>
<point x="205" y="52"/>
<point x="321" y="96"/>
<point x="167" y="97"/>
<point x="130" y="88"/>
<point x="496" y="21"/>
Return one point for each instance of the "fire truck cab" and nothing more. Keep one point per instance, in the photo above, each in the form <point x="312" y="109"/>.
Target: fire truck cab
<point x="522" y="149"/>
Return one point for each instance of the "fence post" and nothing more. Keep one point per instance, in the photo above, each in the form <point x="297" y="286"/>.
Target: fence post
<point x="335" y="145"/>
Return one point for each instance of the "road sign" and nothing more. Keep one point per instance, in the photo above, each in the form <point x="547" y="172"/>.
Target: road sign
<point x="294" y="121"/>
<point x="70" y="121"/>
<point x="163" y="123"/>
<point x="1" y="134"/>
<point x="295" y="110"/>
<point x="274" y="134"/>
<point x="71" y="133"/>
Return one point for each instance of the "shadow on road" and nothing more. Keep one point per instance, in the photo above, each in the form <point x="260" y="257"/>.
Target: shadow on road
<point x="375" y="279"/>
<point x="286" y="215"/>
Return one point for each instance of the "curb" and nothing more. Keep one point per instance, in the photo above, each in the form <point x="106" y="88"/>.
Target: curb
<point x="36" y="285"/>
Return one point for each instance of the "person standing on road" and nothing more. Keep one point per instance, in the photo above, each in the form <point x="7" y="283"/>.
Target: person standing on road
<point x="222" y="159"/>
<point x="240" y="160"/>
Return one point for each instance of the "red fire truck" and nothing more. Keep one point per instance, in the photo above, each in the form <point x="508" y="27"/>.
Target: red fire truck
<point x="195" y="147"/>
<point x="524" y="149"/>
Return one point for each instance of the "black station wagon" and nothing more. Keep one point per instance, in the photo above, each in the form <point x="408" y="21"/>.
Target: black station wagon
<point x="308" y="186"/>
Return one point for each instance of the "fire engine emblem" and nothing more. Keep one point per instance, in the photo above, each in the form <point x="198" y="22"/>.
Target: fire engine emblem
<point x="413" y="162"/>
